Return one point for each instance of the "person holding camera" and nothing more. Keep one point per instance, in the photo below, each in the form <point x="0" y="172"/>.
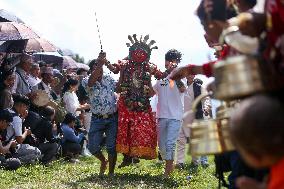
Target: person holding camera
<point x="44" y="136"/>
<point x="25" y="152"/>
<point x="8" y="163"/>
<point x="71" y="142"/>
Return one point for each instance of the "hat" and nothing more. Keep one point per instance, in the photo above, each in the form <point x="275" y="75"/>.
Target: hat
<point x="46" y="70"/>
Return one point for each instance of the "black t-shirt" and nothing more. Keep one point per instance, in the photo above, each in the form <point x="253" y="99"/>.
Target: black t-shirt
<point x="43" y="131"/>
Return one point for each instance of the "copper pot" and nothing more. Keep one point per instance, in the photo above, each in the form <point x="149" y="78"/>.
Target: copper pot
<point x="211" y="136"/>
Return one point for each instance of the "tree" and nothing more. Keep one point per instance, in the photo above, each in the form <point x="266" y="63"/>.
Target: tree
<point x="78" y="58"/>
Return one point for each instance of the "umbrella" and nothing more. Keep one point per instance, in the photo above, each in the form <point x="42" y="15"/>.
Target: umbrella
<point x="28" y="45"/>
<point x="69" y="62"/>
<point x="15" y="31"/>
<point x="11" y="60"/>
<point x="6" y="16"/>
<point x="48" y="57"/>
<point x="17" y="46"/>
<point x="40" y="45"/>
<point x="83" y="66"/>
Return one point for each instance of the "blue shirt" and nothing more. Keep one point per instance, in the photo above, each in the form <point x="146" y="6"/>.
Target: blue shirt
<point x="69" y="134"/>
<point x="102" y="95"/>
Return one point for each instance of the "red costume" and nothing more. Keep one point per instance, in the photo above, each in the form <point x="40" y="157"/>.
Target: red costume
<point x="275" y="29"/>
<point x="137" y="136"/>
<point x="276" y="177"/>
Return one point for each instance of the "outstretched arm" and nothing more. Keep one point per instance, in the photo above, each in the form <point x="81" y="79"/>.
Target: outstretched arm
<point x="190" y="69"/>
<point x="114" y="68"/>
<point x="158" y="74"/>
<point x="118" y="85"/>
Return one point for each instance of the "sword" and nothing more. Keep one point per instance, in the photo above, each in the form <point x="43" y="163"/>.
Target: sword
<point x="99" y="32"/>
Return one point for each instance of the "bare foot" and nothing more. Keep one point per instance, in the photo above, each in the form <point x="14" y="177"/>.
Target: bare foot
<point x="103" y="167"/>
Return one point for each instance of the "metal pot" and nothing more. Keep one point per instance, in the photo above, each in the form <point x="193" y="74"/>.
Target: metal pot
<point x="242" y="43"/>
<point x="211" y="136"/>
<point x="240" y="76"/>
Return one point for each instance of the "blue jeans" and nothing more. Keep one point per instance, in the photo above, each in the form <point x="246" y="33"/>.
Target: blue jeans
<point x="97" y="129"/>
<point x="168" y="132"/>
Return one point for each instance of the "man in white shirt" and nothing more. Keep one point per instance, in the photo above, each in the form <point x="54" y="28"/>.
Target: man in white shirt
<point x="169" y="111"/>
<point x="193" y="90"/>
<point x="22" y="85"/>
<point x="34" y="75"/>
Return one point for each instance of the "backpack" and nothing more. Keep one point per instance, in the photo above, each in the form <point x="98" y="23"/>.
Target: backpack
<point x="32" y="121"/>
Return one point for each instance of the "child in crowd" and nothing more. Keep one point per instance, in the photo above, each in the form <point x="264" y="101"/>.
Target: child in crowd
<point x="257" y="130"/>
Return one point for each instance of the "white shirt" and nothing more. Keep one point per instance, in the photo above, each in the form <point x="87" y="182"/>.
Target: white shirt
<point x="34" y="80"/>
<point x="15" y="129"/>
<point x="188" y="101"/>
<point x="170" y="99"/>
<point x="71" y="102"/>
<point x="153" y="103"/>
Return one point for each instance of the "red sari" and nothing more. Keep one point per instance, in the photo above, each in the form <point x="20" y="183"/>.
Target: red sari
<point x="136" y="135"/>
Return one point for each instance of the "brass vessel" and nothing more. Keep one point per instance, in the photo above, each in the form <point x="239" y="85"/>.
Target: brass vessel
<point x="211" y="136"/>
<point x="238" y="77"/>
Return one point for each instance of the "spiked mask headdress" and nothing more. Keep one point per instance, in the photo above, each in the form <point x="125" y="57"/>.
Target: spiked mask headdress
<point x="140" y="51"/>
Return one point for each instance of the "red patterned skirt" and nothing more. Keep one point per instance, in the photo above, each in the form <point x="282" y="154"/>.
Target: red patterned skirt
<point x="136" y="135"/>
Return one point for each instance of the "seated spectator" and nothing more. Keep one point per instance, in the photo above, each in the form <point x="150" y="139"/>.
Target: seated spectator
<point x="34" y="75"/>
<point x="25" y="152"/>
<point x="44" y="136"/>
<point x="22" y="85"/>
<point x="70" y="98"/>
<point x="47" y="79"/>
<point x="71" y="143"/>
<point x="6" y="85"/>
<point x="8" y="163"/>
<point x="260" y="139"/>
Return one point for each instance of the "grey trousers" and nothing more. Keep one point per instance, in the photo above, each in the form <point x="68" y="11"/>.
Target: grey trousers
<point x="27" y="154"/>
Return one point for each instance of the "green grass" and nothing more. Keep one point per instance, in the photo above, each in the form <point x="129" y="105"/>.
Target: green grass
<point x="146" y="174"/>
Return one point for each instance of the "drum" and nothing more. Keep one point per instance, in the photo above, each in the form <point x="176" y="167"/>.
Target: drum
<point x="60" y="111"/>
<point x="42" y="98"/>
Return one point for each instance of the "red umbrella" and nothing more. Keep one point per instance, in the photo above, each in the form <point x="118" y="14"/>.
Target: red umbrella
<point x="39" y="45"/>
<point x="15" y="31"/>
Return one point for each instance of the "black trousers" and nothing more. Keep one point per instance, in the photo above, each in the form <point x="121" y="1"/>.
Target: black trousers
<point x="71" y="148"/>
<point x="48" y="150"/>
